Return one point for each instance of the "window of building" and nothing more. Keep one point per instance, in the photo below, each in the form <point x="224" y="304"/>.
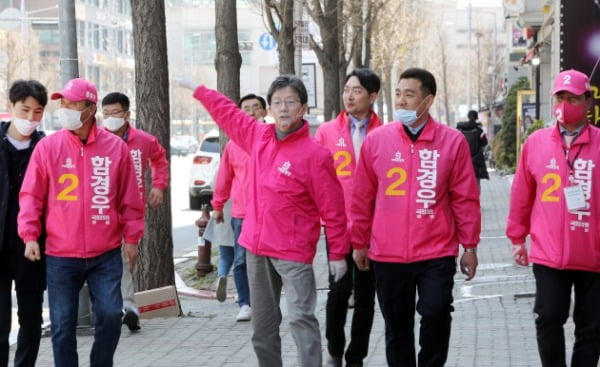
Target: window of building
<point x="200" y="47"/>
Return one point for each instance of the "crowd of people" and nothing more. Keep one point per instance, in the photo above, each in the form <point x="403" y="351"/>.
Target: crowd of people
<point x="396" y="203"/>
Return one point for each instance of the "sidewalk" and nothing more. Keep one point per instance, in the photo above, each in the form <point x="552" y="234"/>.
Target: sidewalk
<point x="492" y="323"/>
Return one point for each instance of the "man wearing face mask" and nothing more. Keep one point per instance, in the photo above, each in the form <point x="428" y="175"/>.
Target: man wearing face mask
<point x="555" y="198"/>
<point x="414" y="200"/>
<point x="146" y="152"/>
<point x="27" y="100"/>
<point x="80" y="186"/>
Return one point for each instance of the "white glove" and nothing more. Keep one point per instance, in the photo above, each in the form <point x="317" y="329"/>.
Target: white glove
<point x="338" y="268"/>
<point x="185" y="82"/>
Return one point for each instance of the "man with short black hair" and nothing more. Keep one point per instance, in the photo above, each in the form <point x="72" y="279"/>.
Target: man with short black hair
<point x="343" y="137"/>
<point x="27" y="100"/>
<point x="232" y="182"/>
<point x="414" y="202"/>
<point x="146" y="152"/>
<point x="477" y="141"/>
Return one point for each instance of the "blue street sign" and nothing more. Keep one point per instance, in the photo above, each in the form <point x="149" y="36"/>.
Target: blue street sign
<point x="267" y="42"/>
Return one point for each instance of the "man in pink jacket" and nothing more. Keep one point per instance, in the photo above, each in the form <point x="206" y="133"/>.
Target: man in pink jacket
<point x="232" y="183"/>
<point x="292" y="186"/>
<point x="554" y="200"/>
<point x="146" y="152"/>
<point x="81" y="186"/>
<point x="343" y="137"/>
<point x="415" y="199"/>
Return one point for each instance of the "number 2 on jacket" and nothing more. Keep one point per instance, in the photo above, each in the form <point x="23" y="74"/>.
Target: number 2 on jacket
<point x="547" y="195"/>
<point x="341" y="170"/>
<point x="392" y="189"/>
<point x="73" y="182"/>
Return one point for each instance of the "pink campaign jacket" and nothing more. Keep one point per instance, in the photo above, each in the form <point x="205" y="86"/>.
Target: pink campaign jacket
<point x="559" y="239"/>
<point x="86" y="195"/>
<point x="335" y="136"/>
<point x="292" y="185"/>
<point x="147" y="151"/>
<point x="415" y="201"/>
<point x="232" y="180"/>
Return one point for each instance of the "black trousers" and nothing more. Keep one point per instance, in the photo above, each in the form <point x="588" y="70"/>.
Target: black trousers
<point x="29" y="285"/>
<point x="552" y="302"/>
<point x="363" y="283"/>
<point x="397" y="287"/>
<point x="30" y="323"/>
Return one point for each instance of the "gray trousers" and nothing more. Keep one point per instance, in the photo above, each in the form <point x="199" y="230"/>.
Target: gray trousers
<point x="127" y="288"/>
<point x="266" y="276"/>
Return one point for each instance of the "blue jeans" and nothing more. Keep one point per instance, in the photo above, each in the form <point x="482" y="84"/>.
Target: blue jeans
<point x="235" y="255"/>
<point x="65" y="278"/>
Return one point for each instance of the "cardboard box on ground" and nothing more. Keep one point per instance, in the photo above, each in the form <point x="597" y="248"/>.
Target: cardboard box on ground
<point x="158" y="302"/>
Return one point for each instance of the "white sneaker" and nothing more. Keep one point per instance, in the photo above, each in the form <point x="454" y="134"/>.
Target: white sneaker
<point x="222" y="289"/>
<point x="245" y="313"/>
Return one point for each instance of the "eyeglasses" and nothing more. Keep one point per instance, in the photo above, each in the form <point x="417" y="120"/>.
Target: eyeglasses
<point x="288" y="103"/>
<point x="112" y="113"/>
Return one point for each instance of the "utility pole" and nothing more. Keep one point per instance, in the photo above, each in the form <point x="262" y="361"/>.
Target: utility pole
<point x="69" y="62"/>
<point x="469" y="53"/>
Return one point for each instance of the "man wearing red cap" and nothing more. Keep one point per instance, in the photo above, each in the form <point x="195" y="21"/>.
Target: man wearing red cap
<point x="555" y="201"/>
<point x="81" y="186"/>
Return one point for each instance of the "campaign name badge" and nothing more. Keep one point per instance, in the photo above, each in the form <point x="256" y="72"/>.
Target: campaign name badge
<point x="575" y="198"/>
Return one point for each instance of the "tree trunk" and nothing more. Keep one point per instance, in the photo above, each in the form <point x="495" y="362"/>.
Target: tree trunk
<point x="279" y="16"/>
<point x="228" y="59"/>
<point x="329" y="54"/>
<point x="285" y="41"/>
<point x="155" y="260"/>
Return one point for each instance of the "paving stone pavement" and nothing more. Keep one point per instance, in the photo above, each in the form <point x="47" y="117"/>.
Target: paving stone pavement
<point x="492" y="323"/>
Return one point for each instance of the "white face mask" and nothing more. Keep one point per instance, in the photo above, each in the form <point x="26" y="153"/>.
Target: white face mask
<point x="25" y="127"/>
<point x="113" y="123"/>
<point x="69" y="119"/>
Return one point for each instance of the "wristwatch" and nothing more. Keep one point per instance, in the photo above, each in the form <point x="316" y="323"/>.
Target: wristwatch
<point x="472" y="250"/>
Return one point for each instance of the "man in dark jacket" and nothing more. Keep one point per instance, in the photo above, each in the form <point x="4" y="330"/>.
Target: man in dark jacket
<point x="477" y="141"/>
<point x="27" y="100"/>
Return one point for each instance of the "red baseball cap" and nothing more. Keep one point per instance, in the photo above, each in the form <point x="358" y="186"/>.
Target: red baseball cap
<point x="572" y="81"/>
<point x="77" y="90"/>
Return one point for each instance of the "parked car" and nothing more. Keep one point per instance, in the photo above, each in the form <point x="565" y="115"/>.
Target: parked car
<point x="204" y="171"/>
<point x="183" y="145"/>
<point x="179" y="146"/>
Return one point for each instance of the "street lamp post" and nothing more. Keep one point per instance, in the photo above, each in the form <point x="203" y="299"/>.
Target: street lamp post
<point x="536" y="63"/>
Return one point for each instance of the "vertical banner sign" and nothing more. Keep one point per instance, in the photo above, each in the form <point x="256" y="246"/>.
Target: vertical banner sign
<point x="580" y="45"/>
<point x="309" y="78"/>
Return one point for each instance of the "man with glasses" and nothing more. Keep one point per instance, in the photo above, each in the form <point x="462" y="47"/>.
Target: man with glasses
<point x="232" y="183"/>
<point x="146" y="152"/>
<point x="292" y="185"/>
<point x="80" y="187"/>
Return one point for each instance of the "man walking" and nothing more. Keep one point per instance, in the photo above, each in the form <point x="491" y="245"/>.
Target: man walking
<point x="555" y="198"/>
<point x="414" y="201"/>
<point x="27" y="100"/>
<point x="232" y="183"/>
<point x="80" y="187"/>
<point x="477" y="141"/>
<point x="343" y="137"/>
<point x="146" y="152"/>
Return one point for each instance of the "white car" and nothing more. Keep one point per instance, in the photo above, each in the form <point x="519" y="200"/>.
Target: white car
<point x="204" y="171"/>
